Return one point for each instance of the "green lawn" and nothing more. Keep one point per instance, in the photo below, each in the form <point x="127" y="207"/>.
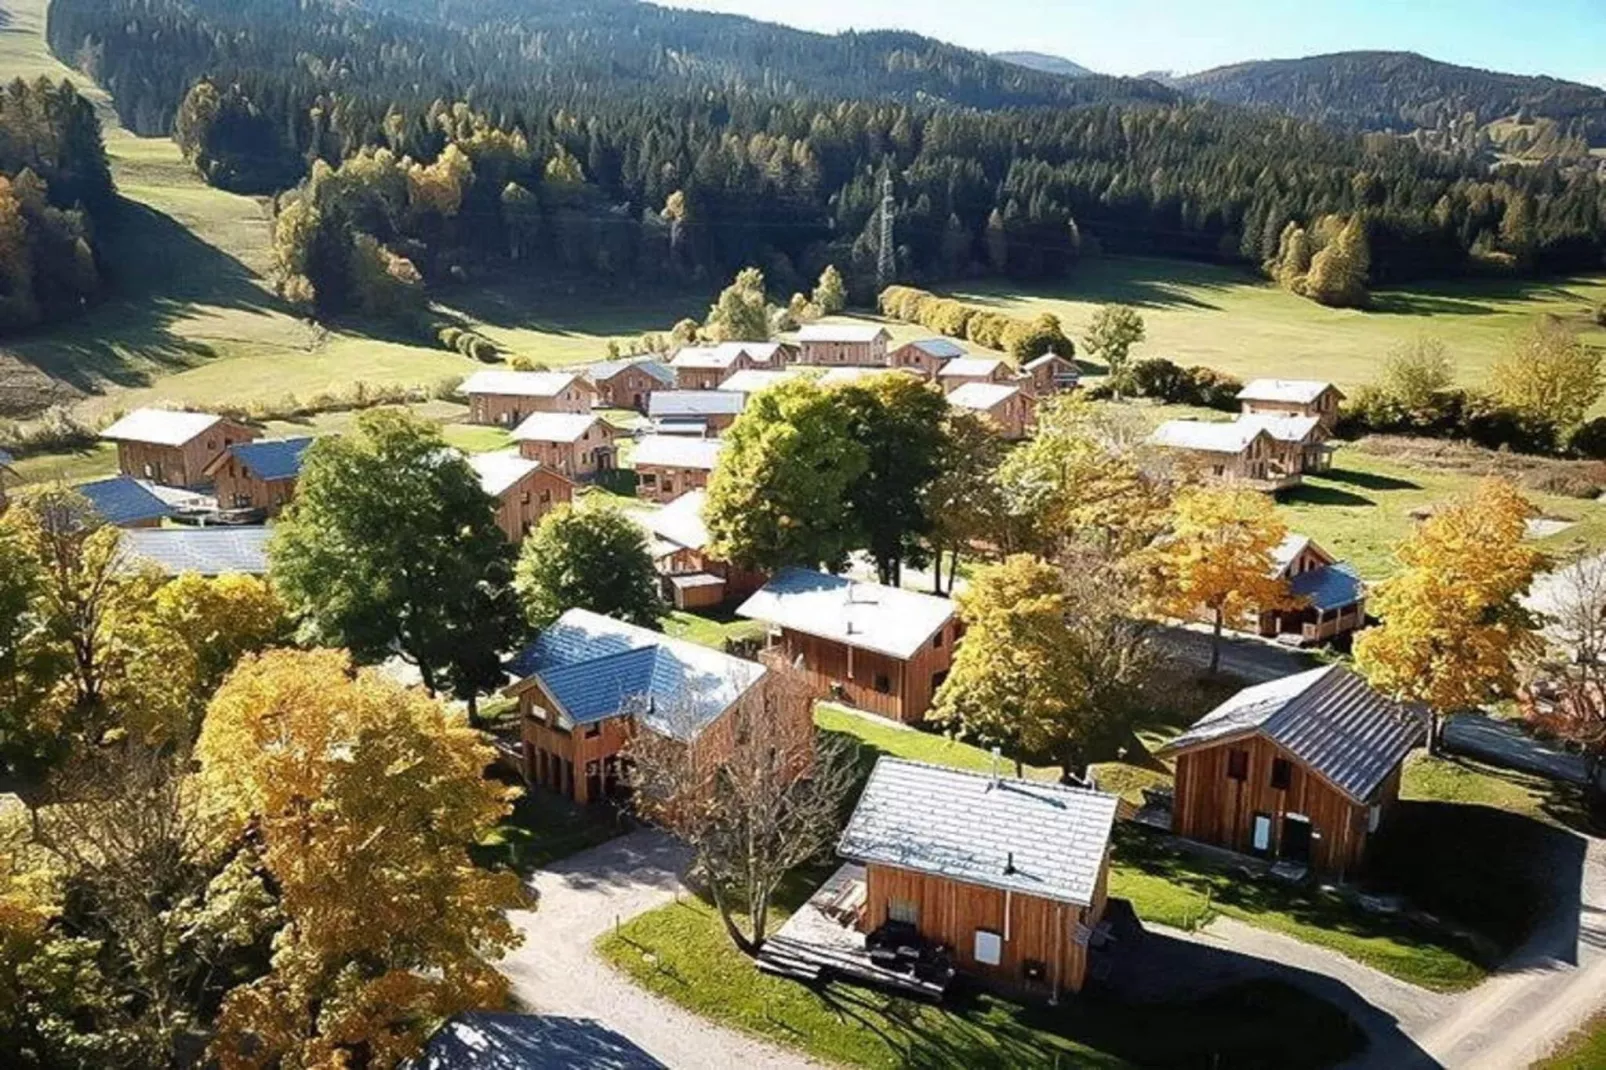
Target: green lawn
<point x="544" y="828"/>
<point x="681" y="953"/>
<point x="1232" y="320"/>
<point x="1584" y="1050"/>
<point x="712" y="630"/>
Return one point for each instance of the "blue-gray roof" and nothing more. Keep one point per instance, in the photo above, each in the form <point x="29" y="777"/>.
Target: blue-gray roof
<point x="1329" y="587"/>
<point x="1329" y="718"/>
<point x="595" y="667"/>
<point x="207" y="551"/>
<point x="695" y="403"/>
<point x="124" y="500"/>
<point x="498" y="1040"/>
<point x="603" y="370"/>
<point x="272" y="458"/>
<point x="940" y="348"/>
<point x="6" y="459"/>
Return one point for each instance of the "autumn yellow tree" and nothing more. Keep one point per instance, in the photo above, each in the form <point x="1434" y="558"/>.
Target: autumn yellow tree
<point x="1548" y="375"/>
<point x="1217" y="558"/>
<point x="1453" y="626"/>
<point x="362" y="799"/>
<point x="219" y="620"/>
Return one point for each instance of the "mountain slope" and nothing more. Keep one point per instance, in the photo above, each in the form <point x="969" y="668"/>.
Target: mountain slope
<point x="1040" y="61"/>
<point x="1400" y="91"/>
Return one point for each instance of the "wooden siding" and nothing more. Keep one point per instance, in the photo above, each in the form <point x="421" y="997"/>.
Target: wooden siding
<point x="237" y="487"/>
<point x="1324" y="408"/>
<point x="521" y="506"/>
<point x="952" y="912"/>
<point x="663" y="483"/>
<point x="1256" y="466"/>
<point x="181" y="466"/>
<point x="868" y="680"/>
<point x="594" y="452"/>
<point x="562" y="761"/>
<point x="1043" y="381"/>
<point x="912" y="358"/>
<point x="1015" y="415"/>
<point x="850" y="354"/>
<point x="710" y="378"/>
<point x="509" y="410"/>
<point x="1212" y="807"/>
<point x="630" y="389"/>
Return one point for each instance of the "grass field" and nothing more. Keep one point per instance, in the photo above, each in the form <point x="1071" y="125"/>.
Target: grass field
<point x="1584" y="1050"/>
<point x="1231" y="320"/>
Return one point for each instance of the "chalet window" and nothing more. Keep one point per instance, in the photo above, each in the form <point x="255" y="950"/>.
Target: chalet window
<point x="593" y="731"/>
<point x="546" y="497"/>
<point x="904" y="910"/>
<point x="883" y="682"/>
<point x="1374" y="817"/>
<point x="524" y="499"/>
<point x="989" y="947"/>
<point x="649" y="479"/>
<point x="936" y="641"/>
<point x="1219" y="470"/>
<point x="1282" y="773"/>
<point x="1237" y="764"/>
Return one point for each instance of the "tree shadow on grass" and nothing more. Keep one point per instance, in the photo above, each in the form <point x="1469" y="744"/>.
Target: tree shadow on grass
<point x="1308" y="494"/>
<point x="1404" y="303"/>
<point x="1369" y="480"/>
<point x="575" y="305"/>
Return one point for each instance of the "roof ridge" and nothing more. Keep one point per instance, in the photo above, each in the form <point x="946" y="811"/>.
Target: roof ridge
<point x="999" y="778"/>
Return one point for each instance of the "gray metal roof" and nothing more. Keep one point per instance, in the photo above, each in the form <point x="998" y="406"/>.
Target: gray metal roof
<point x="554" y="426"/>
<point x="982" y="397"/>
<point x="1329" y="587"/>
<point x="694" y="403"/>
<point x="841" y="332"/>
<point x="969" y="368"/>
<point x="522" y="384"/>
<point x="940" y="348"/>
<point x="676" y="451"/>
<point x="1212" y="436"/>
<point x="160" y="427"/>
<point x="208" y="551"/>
<point x="888" y="620"/>
<point x="1295" y="429"/>
<point x="1329" y="718"/>
<point x="498" y="1040"/>
<point x="501" y="472"/>
<point x="1024" y="836"/>
<point x="1289" y="391"/>
<point x="603" y="370"/>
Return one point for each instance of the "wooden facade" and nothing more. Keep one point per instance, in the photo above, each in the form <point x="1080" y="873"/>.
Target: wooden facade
<point x="1041" y="949"/>
<point x="664" y="483"/>
<point x="185" y="465"/>
<point x="1015" y="415"/>
<point x="701" y="378"/>
<point x="1051" y="375"/>
<point x="628" y="389"/>
<point x="593" y="452"/>
<point x="998" y="372"/>
<point x="1251" y="796"/>
<point x="1324" y="407"/>
<point x="509" y="410"/>
<point x="236" y="486"/>
<point x="871" y="353"/>
<point x="872" y="681"/>
<point x="520" y="508"/>
<point x="1258" y="465"/>
<point x="583" y="764"/>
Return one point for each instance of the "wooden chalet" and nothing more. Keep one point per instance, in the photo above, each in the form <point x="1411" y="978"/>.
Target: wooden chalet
<point x="1301" y="770"/>
<point x="505" y="398"/>
<point x="589" y="682"/>
<point x="1299" y="443"/>
<point x="1009" y="406"/>
<point x="751" y="380"/>
<point x="575" y="445"/>
<point x="678" y="540"/>
<point x="1226" y="452"/>
<point x="209" y="551"/>
<point x="258" y="475"/>
<point x="705" y="367"/>
<point x="627" y="384"/>
<point x="877" y="648"/>
<point x="173" y="448"/>
<point x="927" y="356"/>
<point x="1292" y="397"/>
<point x="965" y="370"/>
<point x="858" y="344"/>
<point x="1330" y="594"/>
<point x="1052" y="374"/>
<point x="1010" y="875"/>
<point x="668" y="466"/>
<point x="525" y="490"/>
<point x="126" y="502"/>
<point x="695" y="412"/>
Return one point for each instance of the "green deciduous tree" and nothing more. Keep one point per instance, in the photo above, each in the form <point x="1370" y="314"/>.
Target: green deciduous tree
<point x="391" y="548"/>
<point x="830" y="294"/>
<point x="592" y="558"/>
<point x="898" y="420"/>
<point x="1112" y="333"/>
<point x="741" y="313"/>
<point x="1548" y="375"/>
<point x="782" y="492"/>
<point x="1416" y="372"/>
<point x="964" y="502"/>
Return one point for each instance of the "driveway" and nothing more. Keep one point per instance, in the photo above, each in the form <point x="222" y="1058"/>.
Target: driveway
<point x="1254" y="660"/>
<point x="557" y="972"/>
<point x="1505" y="744"/>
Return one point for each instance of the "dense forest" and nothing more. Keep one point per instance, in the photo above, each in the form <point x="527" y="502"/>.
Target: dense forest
<point x="1401" y="91"/>
<point x="53" y="183"/>
<point x="634" y="141"/>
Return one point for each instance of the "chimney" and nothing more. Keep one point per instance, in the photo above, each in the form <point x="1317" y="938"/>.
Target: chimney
<point x="1009" y="864"/>
<point x="996" y="756"/>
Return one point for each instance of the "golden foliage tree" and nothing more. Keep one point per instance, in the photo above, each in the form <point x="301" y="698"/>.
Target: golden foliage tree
<point x="1548" y="375"/>
<point x="363" y="798"/>
<point x="1453" y="626"/>
<point x="1217" y="558"/>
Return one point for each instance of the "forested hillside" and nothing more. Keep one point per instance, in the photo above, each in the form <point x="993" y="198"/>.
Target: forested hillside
<point x="632" y="140"/>
<point x="1402" y="91"/>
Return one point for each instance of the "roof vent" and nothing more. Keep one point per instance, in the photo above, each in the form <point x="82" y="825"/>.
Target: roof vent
<point x="1009" y="864"/>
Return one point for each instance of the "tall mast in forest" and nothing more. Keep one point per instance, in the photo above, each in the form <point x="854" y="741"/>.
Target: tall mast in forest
<point x="886" y="268"/>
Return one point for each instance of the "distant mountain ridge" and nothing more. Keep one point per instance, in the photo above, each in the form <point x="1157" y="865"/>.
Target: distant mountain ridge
<point x="1400" y="91"/>
<point x="1042" y="61"/>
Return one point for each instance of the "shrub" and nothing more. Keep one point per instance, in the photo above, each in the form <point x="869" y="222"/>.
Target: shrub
<point x="1159" y="378"/>
<point x="1216" y="390"/>
<point x="482" y="349"/>
<point x="1589" y="439"/>
<point x="57" y="431"/>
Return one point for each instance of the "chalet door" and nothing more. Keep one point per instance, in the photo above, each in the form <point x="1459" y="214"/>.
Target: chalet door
<point x="1260" y="835"/>
<point x="593" y="782"/>
<point x="1295" y="845"/>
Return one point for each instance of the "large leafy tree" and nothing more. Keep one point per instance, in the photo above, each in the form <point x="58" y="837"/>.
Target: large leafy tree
<point x="1548" y="375"/>
<point x="590" y="558"/>
<point x="1053" y="663"/>
<point x="964" y="502"/>
<point x="1453" y="624"/>
<point x="1217" y="557"/>
<point x="741" y="312"/>
<point x="391" y="548"/>
<point x="1112" y="333"/>
<point x="781" y="494"/>
<point x="899" y="421"/>
<point x="388" y="926"/>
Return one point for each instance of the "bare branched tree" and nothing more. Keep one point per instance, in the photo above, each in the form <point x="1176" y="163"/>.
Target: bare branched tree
<point x="1565" y="690"/>
<point x="755" y="795"/>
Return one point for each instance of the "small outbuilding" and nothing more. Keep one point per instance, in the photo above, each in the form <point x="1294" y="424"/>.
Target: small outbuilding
<point x="258" y="475"/>
<point x="171" y="447"/>
<point x="525" y="490"/>
<point x="575" y="445"/>
<point x="668" y="466"/>
<point x="505" y="398"/>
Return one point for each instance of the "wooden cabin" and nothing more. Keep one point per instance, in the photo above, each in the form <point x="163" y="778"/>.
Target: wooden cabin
<point x="701" y="412"/>
<point x="877" y="648"/>
<point x="1226" y="452"/>
<point x="678" y="541"/>
<point x="1010" y="875"/>
<point x="1011" y="408"/>
<point x="966" y="370"/>
<point x="1301" y="770"/>
<point x="927" y="356"/>
<point x="668" y="466"/>
<point x="126" y="502"/>
<point x="1299" y="443"/>
<point x="750" y="381"/>
<point x="1052" y="374"/>
<point x="173" y="448"/>
<point x="575" y="445"/>
<point x="1292" y="397"/>
<point x="258" y="475"/>
<point x="857" y="344"/>
<point x="525" y="490"/>
<point x="627" y="384"/>
<point x="1330" y="596"/>
<point x="705" y="367"/>
<point x="505" y="398"/>
<point x="588" y="682"/>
